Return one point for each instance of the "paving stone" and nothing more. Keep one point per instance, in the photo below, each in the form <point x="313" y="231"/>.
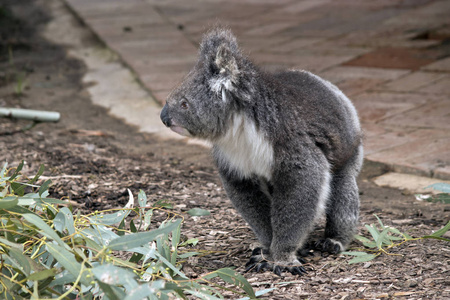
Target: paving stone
<point x="442" y="172"/>
<point x="441" y="86"/>
<point x="379" y="138"/>
<point x="412" y="82"/>
<point x="340" y="73"/>
<point x="164" y="81"/>
<point x="297" y="7"/>
<point x="294" y="45"/>
<point x="259" y="44"/>
<point x="161" y="96"/>
<point x="374" y="107"/>
<point x="433" y="114"/>
<point x="392" y="57"/>
<point x="356" y="86"/>
<point x="311" y="62"/>
<point x="388" y="56"/>
<point x="268" y="29"/>
<point x="420" y="156"/>
<point x="440" y="65"/>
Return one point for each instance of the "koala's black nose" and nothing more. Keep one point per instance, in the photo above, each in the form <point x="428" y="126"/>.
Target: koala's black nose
<point x="165" y="116"/>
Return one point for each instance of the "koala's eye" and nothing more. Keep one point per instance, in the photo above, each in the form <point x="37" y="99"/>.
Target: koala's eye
<point x="184" y="105"/>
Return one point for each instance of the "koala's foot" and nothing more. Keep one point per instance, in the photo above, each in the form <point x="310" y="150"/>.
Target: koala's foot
<point x="329" y="245"/>
<point x="260" y="261"/>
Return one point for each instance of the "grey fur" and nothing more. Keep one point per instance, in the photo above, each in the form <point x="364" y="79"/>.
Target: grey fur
<point x="287" y="145"/>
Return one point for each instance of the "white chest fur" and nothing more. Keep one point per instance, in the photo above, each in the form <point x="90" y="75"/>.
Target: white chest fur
<point x="245" y="150"/>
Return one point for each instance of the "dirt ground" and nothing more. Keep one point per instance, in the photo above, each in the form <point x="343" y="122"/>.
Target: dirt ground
<point x="93" y="158"/>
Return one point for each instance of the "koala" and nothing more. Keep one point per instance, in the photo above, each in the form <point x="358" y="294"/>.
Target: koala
<point x="288" y="147"/>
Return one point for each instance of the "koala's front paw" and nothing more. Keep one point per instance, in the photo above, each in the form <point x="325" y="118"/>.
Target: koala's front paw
<point x="329" y="245"/>
<point x="260" y="261"/>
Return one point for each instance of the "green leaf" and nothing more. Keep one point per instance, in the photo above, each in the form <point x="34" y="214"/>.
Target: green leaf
<point x="354" y="253"/>
<point x="147" y="218"/>
<point x="362" y="258"/>
<point x="18" y="188"/>
<point x="3" y="171"/>
<point x="201" y="295"/>
<point x="366" y="242"/>
<point x="21" y="261"/>
<point x="441" y="186"/>
<point x="399" y="233"/>
<point x="133" y="227"/>
<point x="379" y="221"/>
<point x="42" y="274"/>
<point x="17" y="171"/>
<point x="68" y="216"/>
<point x="164" y="204"/>
<point x="259" y="293"/>
<point x="46" y="230"/>
<point x="169" y="265"/>
<point x="120" y="229"/>
<point x="441" y="231"/>
<point x="145" y="290"/>
<point x="8" y="202"/>
<point x="436" y="238"/>
<point x="110" y="219"/>
<point x="38" y="174"/>
<point x="142" y="199"/>
<point x="113" y="292"/>
<point x="381" y="238"/>
<point x="114" y="275"/>
<point x="44" y="186"/>
<point x="193" y="242"/>
<point x="230" y="276"/>
<point x="198" y="212"/>
<point x="130" y="241"/>
<point x="11" y="244"/>
<point x="373" y="231"/>
<point x="67" y="260"/>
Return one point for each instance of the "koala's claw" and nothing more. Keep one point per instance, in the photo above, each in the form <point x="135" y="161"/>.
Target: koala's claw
<point x="258" y="262"/>
<point x="329" y="245"/>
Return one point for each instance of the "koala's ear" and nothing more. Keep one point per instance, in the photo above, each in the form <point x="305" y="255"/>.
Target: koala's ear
<point x="220" y="55"/>
<point x="226" y="62"/>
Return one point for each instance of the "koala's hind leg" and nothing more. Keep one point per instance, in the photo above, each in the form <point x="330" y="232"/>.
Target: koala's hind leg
<point x="343" y="207"/>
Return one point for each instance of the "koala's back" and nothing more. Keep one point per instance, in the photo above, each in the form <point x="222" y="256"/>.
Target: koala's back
<point x="315" y="108"/>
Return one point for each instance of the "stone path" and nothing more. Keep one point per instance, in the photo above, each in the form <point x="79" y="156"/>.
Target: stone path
<point x="391" y="57"/>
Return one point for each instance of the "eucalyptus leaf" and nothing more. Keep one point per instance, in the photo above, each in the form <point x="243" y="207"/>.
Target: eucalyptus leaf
<point x="259" y="293"/>
<point x="142" y="199"/>
<point x="46" y="230"/>
<point x="441" y="231"/>
<point x="362" y="258"/>
<point x="67" y="260"/>
<point x="138" y="239"/>
<point x="8" y="202"/>
<point x="44" y="187"/>
<point x="114" y="275"/>
<point x="112" y="292"/>
<point x="373" y="231"/>
<point x="232" y="277"/>
<point x="198" y="212"/>
<point x="17" y="171"/>
<point x="145" y="290"/>
<point x="441" y="186"/>
<point x="41" y="275"/>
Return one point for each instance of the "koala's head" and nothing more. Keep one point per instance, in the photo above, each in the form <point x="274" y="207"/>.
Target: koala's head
<point x="211" y="92"/>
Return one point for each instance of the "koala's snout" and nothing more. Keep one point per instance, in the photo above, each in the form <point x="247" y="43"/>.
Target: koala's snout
<point x="165" y="116"/>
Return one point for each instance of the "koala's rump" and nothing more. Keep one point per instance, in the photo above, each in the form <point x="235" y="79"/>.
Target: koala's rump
<point x="313" y="108"/>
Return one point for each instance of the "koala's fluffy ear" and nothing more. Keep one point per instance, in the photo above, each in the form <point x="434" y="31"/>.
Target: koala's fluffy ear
<point x="226" y="62"/>
<point x="220" y="54"/>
